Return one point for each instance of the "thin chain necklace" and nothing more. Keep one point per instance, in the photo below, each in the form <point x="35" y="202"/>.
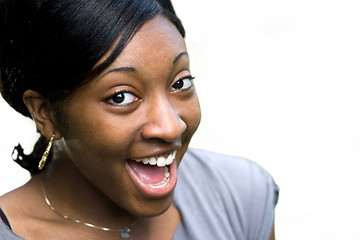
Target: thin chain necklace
<point x="125" y="232"/>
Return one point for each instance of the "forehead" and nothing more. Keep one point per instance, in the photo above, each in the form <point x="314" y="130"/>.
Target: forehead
<point x="158" y="40"/>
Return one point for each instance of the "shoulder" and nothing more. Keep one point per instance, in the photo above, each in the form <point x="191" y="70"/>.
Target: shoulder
<point x="232" y="192"/>
<point x="243" y="175"/>
<point x="23" y="210"/>
<point x="6" y="233"/>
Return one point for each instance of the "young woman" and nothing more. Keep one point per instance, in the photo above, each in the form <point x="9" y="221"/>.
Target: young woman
<point x="108" y="84"/>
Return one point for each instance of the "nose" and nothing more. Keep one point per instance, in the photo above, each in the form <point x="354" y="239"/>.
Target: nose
<point x="163" y="122"/>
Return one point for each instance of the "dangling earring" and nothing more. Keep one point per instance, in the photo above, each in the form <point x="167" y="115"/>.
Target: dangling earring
<point x="46" y="153"/>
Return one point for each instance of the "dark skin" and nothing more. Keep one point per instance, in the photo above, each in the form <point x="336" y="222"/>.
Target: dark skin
<point x="87" y="179"/>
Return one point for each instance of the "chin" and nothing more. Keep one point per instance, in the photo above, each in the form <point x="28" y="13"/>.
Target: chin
<point x="153" y="207"/>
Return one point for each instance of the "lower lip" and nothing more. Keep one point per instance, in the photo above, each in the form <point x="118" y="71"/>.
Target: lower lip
<point x="152" y="192"/>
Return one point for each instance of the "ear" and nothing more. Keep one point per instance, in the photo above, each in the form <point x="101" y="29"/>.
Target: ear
<point x="42" y="114"/>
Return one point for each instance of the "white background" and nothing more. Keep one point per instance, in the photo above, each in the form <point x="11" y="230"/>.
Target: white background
<point x="279" y="83"/>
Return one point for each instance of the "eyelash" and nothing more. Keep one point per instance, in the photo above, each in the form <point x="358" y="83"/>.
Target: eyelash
<point x="181" y="81"/>
<point x="124" y="94"/>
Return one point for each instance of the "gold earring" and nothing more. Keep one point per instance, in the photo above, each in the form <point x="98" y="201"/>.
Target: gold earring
<point x="46" y="153"/>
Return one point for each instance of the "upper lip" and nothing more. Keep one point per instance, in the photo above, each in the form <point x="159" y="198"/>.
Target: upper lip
<point x="157" y="153"/>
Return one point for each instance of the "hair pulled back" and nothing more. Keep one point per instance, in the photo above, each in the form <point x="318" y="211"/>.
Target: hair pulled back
<point x="51" y="46"/>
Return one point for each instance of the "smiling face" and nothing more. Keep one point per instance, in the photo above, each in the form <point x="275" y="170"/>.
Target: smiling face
<point x="142" y="109"/>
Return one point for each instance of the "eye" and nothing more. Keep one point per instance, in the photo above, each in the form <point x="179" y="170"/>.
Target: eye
<point x="183" y="84"/>
<point x="122" y="99"/>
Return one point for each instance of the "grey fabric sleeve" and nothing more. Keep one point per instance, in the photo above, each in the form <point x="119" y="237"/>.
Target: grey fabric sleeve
<point x="222" y="197"/>
<point x="7" y="234"/>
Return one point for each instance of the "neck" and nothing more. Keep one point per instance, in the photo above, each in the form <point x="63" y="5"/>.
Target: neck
<point x="73" y="195"/>
<point x="80" y="199"/>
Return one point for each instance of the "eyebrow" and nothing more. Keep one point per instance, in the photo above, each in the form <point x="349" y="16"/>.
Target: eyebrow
<point x="120" y="69"/>
<point x="179" y="56"/>
<point x="132" y="69"/>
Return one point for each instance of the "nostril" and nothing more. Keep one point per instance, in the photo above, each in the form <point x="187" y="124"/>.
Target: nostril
<point x="168" y="129"/>
<point x="165" y="133"/>
<point x="182" y="125"/>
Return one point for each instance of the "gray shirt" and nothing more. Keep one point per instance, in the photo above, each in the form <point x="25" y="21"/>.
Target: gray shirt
<point x="7" y="234"/>
<point x="219" y="198"/>
<point x="223" y="197"/>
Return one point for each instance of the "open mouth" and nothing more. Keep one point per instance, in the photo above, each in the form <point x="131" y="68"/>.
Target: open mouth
<point x="155" y="176"/>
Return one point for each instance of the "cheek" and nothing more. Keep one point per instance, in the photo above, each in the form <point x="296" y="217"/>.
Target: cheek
<point x="101" y="139"/>
<point x="98" y="149"/>
<point x="191" y="114"/>
<point x="98" y="134"/>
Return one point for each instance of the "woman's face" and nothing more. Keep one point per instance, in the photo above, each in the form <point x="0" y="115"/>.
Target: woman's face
<point x="142" y="109"/>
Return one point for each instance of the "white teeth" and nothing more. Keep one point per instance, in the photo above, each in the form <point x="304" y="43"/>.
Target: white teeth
<point x="145" y="160"/>
<point x="160" y="161"/>
<point x="152" y="161"/>
<point x="167" y="174"/>
<point x="169" y="160"/>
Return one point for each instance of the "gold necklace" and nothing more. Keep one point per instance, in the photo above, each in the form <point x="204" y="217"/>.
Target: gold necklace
<point x="125" y="232"/>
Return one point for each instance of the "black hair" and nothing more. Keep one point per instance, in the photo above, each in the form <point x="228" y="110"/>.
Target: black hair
<point x="51" y="46"/>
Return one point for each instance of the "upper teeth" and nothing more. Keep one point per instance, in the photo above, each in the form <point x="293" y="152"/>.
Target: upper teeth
<point x="160" y="161"/>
